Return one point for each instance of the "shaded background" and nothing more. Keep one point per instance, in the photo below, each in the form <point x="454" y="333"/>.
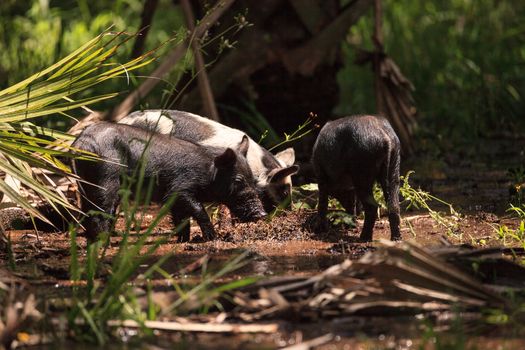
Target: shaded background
<point x="271" y="64"/>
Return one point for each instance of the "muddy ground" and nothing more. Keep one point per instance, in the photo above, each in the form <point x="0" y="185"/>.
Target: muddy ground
<point x="474" y="180"/>
<point x="284" y="246"/>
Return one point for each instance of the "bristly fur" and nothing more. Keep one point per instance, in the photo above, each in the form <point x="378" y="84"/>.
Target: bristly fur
<point x="192" y="172"/>
<point x="349" y="155"/>
<point x="264" y="165"/>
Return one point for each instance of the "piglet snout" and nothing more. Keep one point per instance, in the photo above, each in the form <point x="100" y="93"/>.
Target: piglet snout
<point x="258" y="215"/>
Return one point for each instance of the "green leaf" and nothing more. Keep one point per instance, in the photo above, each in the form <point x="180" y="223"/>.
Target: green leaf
<point x="50" y="92"/>
<point x="309" y="187"/>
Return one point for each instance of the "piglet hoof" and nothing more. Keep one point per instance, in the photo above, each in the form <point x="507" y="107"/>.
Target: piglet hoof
<point x="396" y="238"/>
<point x="208" y="236"/>
<point x="365" y="237"/>
<point x="183" y="239"/>
<point x="199" y="239"/>
<point x="183" y="232"/>
<point x="320" y="225"/>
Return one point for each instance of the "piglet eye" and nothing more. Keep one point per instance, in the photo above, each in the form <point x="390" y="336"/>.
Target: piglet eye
<point x="238" y="180"/>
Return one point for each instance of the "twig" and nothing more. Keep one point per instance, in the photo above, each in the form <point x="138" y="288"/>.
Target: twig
<point x="199" y="327"/>
<point x="195" y="265"/>
<point x="145" y="24"/>
<point x="210" y="109"/>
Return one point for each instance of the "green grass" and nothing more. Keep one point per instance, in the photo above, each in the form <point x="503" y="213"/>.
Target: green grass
<point x="419" y="199"/>
<point x="115" y="298"/>
<point x="513" y="236"/>
<point x="517" y="189"/>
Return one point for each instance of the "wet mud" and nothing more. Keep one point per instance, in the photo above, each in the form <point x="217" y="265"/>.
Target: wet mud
<point x="286" y="245"/>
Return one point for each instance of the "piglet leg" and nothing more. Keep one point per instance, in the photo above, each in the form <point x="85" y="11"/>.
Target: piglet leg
<point x="199" y="213"/>
<point x="322" y="209"/>
<point x="182" y="223"/>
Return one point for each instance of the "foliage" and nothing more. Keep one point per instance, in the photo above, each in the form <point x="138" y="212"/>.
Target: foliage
<point x="302" y="130"/>
<point x="517" y="189"/>
<point x="516" y="235"/>
<point x="379" y="196"/>
<point x="464" y="58"/>
<point x="65" y="26"/>
<point x="253" y="122"/>
<point x="306" y="198"/>
<point x="257" y="126"/>
<point x="97" y="304"/>
<point x="206" y="293"/>
<point x="341" y="218"/>
<point x="52" y="91"/>
<point x="419" y="199"/>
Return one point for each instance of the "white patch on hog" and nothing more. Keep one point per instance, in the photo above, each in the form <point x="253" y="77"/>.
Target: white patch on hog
<point x="229" y="137"/>
<point x="153" y="120"/>
<point x="223" y="136"/>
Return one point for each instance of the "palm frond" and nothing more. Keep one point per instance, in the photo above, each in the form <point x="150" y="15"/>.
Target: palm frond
<point x="53" y="91"/>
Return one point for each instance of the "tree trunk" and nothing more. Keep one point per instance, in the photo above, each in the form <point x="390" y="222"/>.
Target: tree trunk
<point x="285" y="64"/>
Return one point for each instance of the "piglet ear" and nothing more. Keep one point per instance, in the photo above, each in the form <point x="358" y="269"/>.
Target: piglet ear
<point x="243" y="145"/>
<point x="225" y="160"/>
<point x="287" y="157"/>
<point x="278" y="175"/>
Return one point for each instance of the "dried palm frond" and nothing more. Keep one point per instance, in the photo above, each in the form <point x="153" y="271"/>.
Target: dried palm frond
<point x="396" y="278"/>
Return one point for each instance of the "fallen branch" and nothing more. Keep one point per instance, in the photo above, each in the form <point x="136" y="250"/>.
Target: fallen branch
<point x="253" y="54"/>
<point x="306" y="58"/>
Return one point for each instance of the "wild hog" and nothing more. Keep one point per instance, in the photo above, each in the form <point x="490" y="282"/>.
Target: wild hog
<point x="194" y="173"/>
<point x="349" y="155"/>
<point x="272" y="173"/>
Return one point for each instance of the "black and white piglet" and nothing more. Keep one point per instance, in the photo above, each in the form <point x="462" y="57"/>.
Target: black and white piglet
<point x="195" y="173"/>
<point x="272" y="173"/>
<point x="349" y="155"/>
